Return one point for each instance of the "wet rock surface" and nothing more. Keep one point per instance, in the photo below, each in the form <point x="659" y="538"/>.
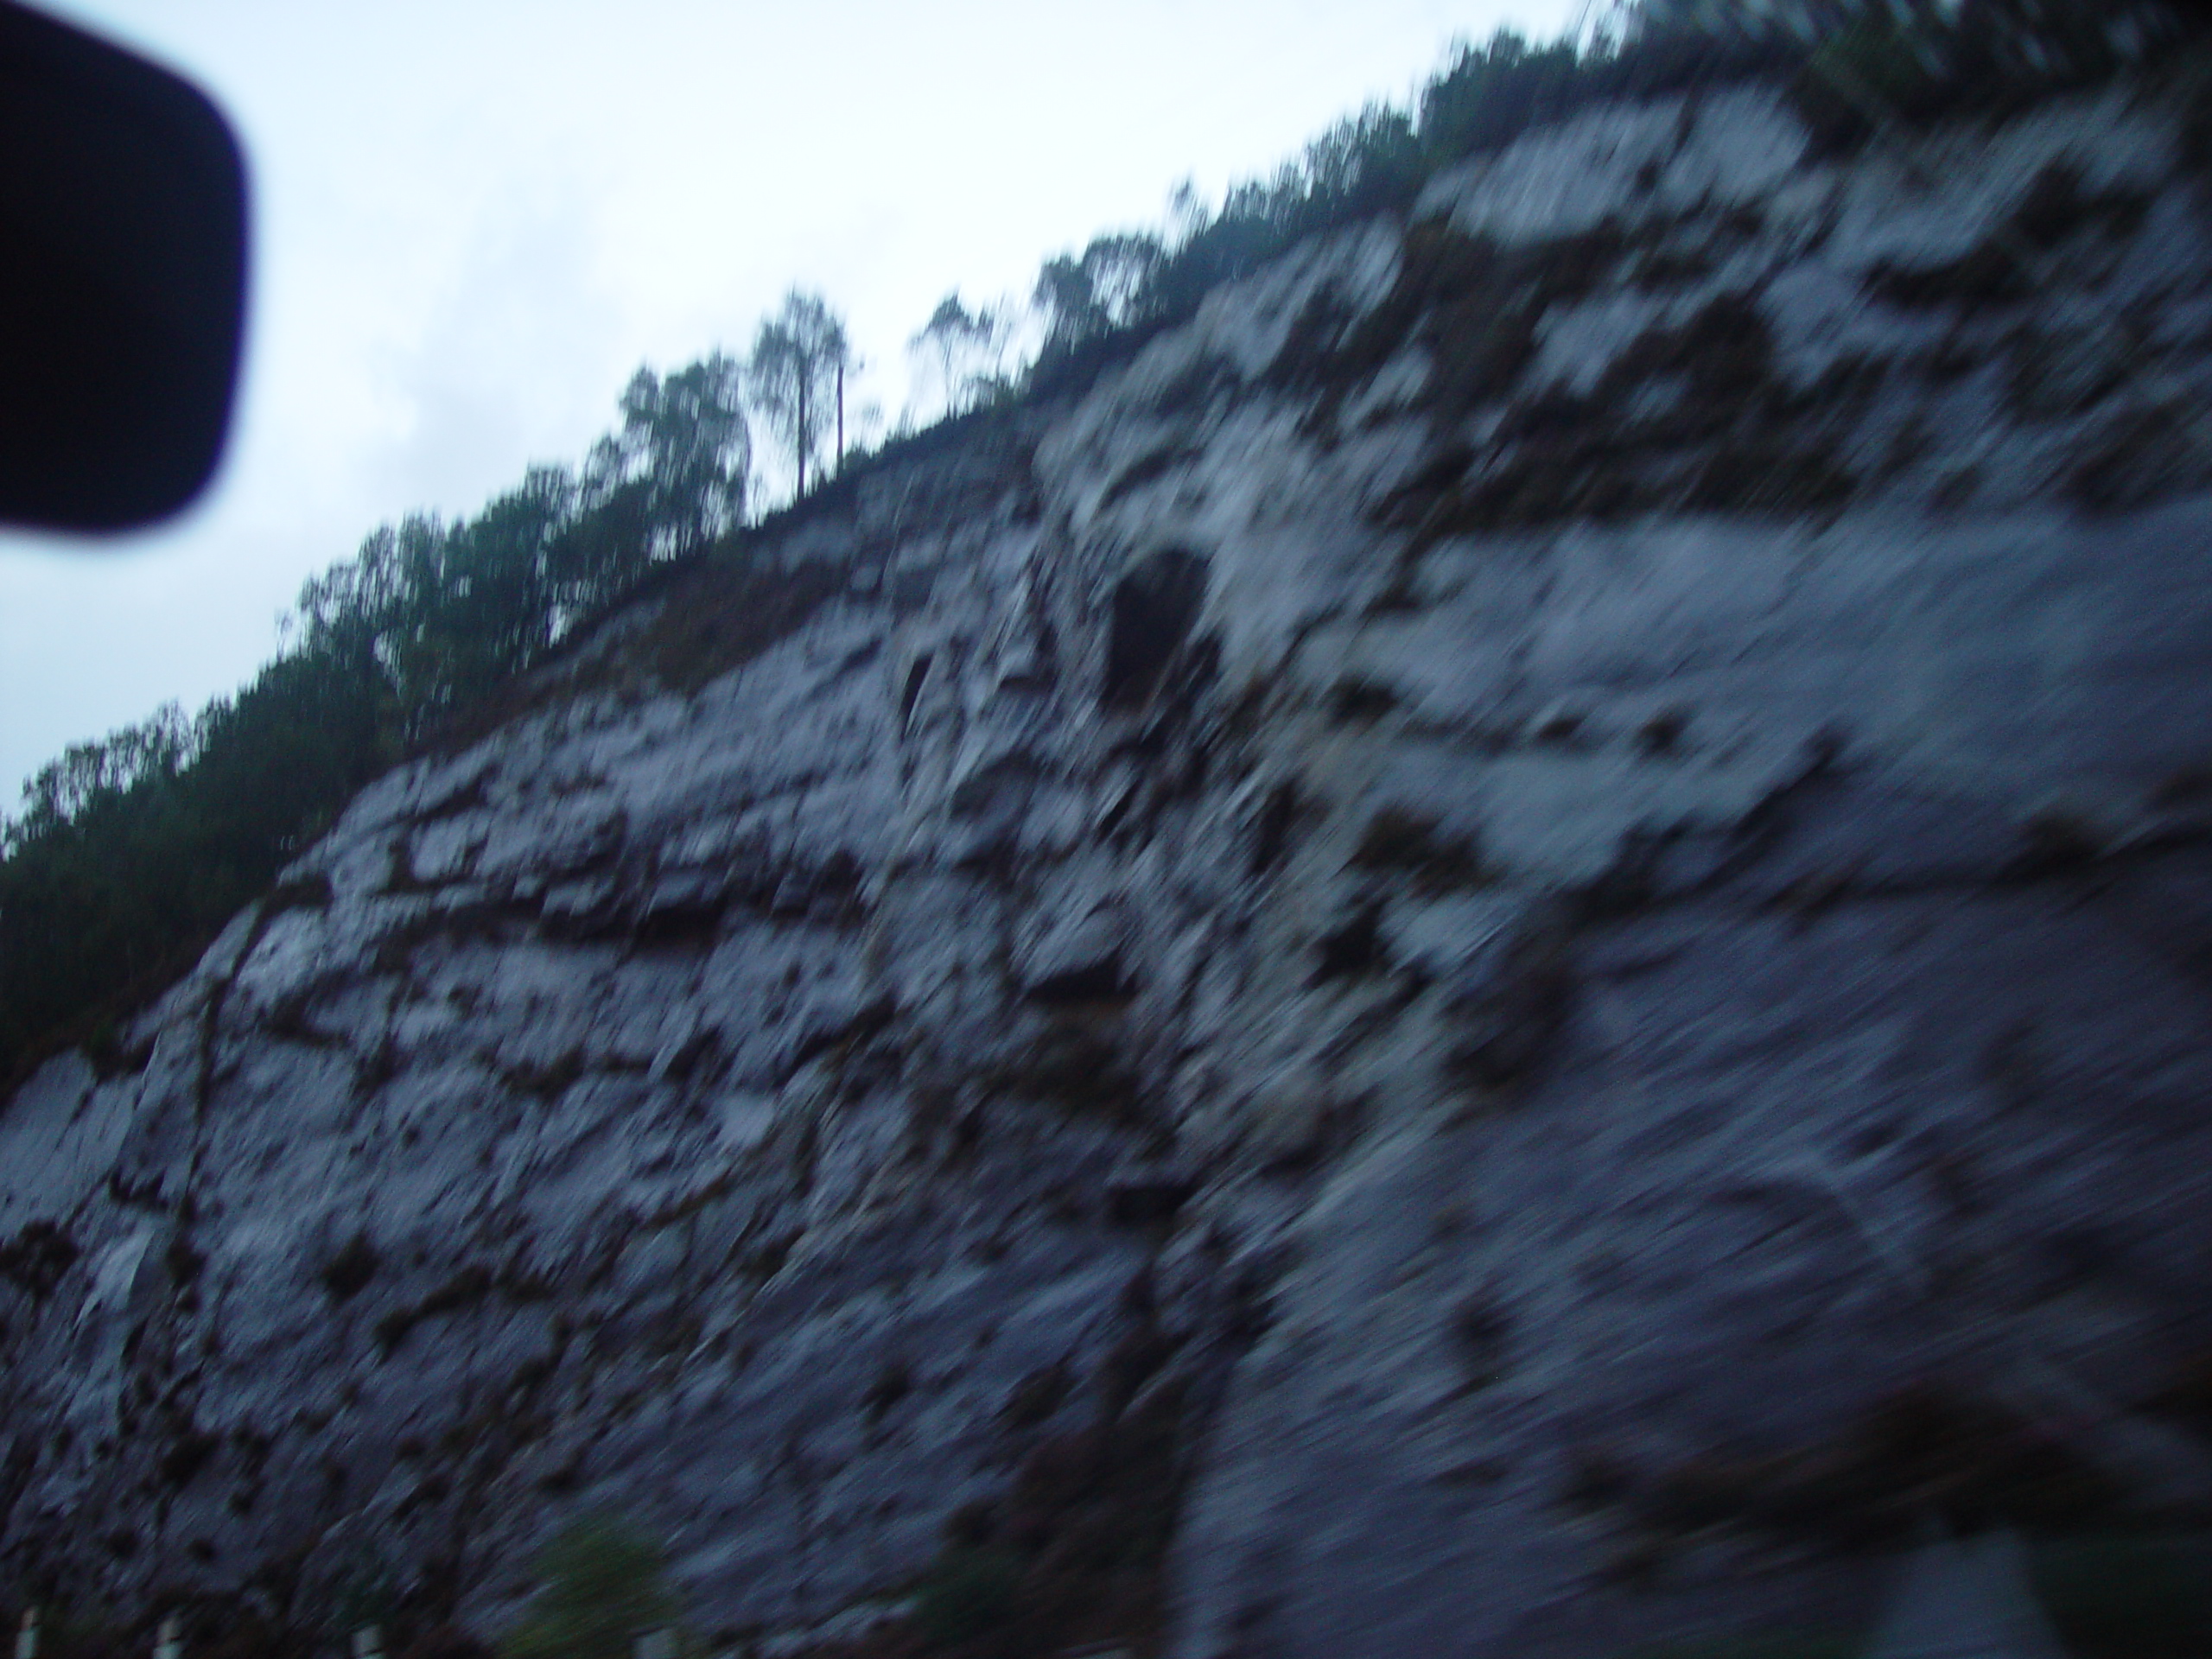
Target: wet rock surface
<point x="1396" y="986"/>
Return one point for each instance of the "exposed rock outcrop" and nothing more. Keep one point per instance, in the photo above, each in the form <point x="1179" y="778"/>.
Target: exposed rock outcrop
<point x="1507" y="950"/>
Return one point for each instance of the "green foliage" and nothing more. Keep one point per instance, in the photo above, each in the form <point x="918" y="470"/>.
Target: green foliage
<point x="130" y="854"/>
<point x="1873" y="65"/>
<point x="602" y="1585"/>
<point x="1104" y="290"/>
<point x="364" y="1592"/>
<point x="84" y="1630"/>
<point x="2123" y="1598"/>
<point x="1490" y="95"/>
<point x="133" y="852"/>
<point x="968" y="1591"/>
<point x="1914" y="60"/>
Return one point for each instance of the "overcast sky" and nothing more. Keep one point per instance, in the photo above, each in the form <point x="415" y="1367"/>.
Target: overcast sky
<point x="475" y="219"/>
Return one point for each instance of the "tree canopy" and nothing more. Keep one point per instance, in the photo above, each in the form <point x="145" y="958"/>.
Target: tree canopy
<point x="967" y="350"/>
<point x="129" y="853"/>
<point x="797" y="371"/>
<point x="685" y="450"/>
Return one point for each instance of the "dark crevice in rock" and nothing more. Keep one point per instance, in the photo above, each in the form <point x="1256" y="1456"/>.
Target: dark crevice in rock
<point x="1272" y="827"/>
<point x="348" y="1272"/>
<point x="2054" y="208"/>
<point x="1077" y="1062"/>
<point x="36" y="1257"/>
<point x="1155" y="605"/>
<point x="1353" y="950"/>
<point x="1360" y="702"/>
<point x="1693" y="416"/>
<point x="1405" y="843"/>
<point x="1090" y="984"/>
<point x="464" y="1289"/>
<point x="841" y="1036"/>
<point x="692" y="926"/>
<point x="916" y="676"/>
<point x="1929" y="1452"/>
<point x="1149" y="468"/>
<point x="1508" y="1019"/>
<point x="310" y="892"/>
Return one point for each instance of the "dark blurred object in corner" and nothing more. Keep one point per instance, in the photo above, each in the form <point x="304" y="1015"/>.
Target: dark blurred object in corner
<point x="123" y="226"/>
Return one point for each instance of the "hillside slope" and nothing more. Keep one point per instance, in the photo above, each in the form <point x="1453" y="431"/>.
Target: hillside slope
<point x="1505" y="952"/>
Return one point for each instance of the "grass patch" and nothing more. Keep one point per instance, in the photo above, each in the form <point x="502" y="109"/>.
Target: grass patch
<point x="602" y="1585"/>
<point x="967" y="1593"/>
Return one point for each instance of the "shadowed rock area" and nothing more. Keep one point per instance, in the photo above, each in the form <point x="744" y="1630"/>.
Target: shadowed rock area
<point x="1507" y="952"/>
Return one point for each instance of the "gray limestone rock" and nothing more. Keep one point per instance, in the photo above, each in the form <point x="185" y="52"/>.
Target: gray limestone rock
<point x="1425" y="1036"/>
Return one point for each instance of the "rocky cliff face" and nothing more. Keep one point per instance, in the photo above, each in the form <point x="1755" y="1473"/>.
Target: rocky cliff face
<point x="1506" y="950"/>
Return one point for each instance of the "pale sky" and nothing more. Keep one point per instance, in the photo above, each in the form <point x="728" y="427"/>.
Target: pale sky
<point x="473" y="221"/>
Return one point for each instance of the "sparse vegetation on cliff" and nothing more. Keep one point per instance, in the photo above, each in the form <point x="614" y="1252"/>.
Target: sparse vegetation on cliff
<point x="600" y="1587"/>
